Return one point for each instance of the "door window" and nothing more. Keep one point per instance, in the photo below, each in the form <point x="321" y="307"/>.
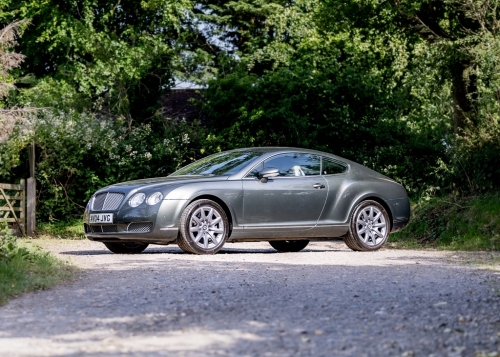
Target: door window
<point x="293" y="165"/>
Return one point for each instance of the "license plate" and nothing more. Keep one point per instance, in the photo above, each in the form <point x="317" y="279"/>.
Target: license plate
<point x="101" y="218"/>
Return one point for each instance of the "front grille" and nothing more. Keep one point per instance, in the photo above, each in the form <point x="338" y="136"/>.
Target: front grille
<point x="143" y="227"/>
<point x="110" y="229"/>
<point x="96" y="229"/>
<point x="138" y="227"/>
<point x="104" y="229"/>
<point x="107" y="201"/>
<point x="99" y="201"/>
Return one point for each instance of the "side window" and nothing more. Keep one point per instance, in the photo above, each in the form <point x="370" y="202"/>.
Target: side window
<point x="295" y="164"/>
<point x="331" y="167"/>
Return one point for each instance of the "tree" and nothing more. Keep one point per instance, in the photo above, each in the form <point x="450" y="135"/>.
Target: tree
<point x="114" y="57"/>
<point x="9" y="60"/>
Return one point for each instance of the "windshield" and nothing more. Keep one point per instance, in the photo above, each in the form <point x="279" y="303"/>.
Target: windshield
<point x="222" y="164"/>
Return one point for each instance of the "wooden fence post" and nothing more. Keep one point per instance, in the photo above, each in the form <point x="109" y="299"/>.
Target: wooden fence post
<point x="31" y="207"/>
<point x="22" y="214"/>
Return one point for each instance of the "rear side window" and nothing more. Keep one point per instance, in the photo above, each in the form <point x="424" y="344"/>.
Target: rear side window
<point x="331" y="167"/>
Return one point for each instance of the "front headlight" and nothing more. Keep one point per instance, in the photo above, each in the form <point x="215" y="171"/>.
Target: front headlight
<point x="136" y="199"/>
<point x="154" y="198"/>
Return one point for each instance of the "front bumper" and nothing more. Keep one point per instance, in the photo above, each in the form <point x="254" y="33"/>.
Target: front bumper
<point x="149" y="224"/>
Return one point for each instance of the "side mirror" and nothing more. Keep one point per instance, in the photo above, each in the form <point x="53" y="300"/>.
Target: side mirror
<point x="267" y="172"/>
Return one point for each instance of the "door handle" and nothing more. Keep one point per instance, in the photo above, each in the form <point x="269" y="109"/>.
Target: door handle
<point x="318" y="185"/>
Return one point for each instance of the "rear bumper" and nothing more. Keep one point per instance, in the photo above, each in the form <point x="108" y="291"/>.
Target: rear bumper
<point x="400" y="212"/>
<point x="399" y="225"/>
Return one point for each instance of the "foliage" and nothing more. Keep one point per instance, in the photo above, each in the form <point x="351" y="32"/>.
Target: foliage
<point x="24" y="267"/>
<point x="8" y="245"/>
<point x="111" y="57"/>
<point x="10" y="60"/>
<point x="454" y="222"/>
<point x="473" y="165"/>
<point x="65" y="229"/>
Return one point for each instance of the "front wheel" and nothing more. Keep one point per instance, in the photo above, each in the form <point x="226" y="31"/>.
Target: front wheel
<point x="289" y="245"/>
<point x="204" y="227"/>
<point x="126" y="248"/>
<point x="369" y="227"/>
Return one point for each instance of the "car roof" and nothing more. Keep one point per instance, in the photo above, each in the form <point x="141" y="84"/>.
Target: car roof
<point x="284" y="149"/>
<point x="268" y="151"/>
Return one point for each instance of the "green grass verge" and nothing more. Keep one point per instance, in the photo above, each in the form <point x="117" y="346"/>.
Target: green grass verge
<point x="72" y="229"/>
<point x="26" y="267"/>
<point x="453" y="223"/>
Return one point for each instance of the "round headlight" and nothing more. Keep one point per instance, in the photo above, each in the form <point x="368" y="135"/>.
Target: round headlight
<point x="154" y="198"/>
<point x="136" y="199"/>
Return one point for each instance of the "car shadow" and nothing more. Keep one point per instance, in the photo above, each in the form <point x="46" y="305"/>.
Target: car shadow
<point x="180" y="252"/>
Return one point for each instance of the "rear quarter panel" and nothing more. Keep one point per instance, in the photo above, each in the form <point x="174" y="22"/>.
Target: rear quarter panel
<point x="345" y="192"/>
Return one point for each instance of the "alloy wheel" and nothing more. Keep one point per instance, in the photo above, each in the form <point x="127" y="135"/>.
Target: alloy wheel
<point x="371" y="226"/>
<point x="206" y="227"/>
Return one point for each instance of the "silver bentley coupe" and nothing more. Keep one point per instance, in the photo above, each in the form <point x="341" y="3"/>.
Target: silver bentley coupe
<point x="286" y="196"/>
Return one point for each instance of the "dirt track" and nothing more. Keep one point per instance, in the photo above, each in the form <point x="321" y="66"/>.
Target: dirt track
<point x="250" y="301"/>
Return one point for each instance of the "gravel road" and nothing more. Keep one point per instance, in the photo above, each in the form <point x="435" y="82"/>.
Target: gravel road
<point x="249" y="300"/>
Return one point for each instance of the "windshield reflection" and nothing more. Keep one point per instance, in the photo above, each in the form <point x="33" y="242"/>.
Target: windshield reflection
<point x="223" y="164"/>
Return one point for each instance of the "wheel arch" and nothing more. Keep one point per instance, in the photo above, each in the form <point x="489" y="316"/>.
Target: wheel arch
<point x="382" y="203"/>
<point x="223" y="204"/>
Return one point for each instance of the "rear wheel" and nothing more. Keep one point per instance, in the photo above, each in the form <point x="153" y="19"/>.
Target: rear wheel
<point x="289" y="245"/>
<point x="126" y="248"/>
<point x="369" y="227"/>
<point x="203" y="228"/>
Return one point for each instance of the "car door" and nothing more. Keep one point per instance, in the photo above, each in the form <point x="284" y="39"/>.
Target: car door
<point x="293" y="200"/>
<point x="330" y="224"/>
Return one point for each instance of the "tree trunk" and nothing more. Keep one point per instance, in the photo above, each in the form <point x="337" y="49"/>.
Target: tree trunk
<point x="464" y="95"/>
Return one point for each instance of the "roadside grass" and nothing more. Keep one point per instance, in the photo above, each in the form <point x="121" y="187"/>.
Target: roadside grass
<point x="72" y="229"/>
<point x="26" y="267"/>
<point x="488" y="260"/>
<point x="470" y="223"/>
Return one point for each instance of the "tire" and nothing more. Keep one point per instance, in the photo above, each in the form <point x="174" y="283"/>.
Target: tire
<point x="204" y="227"/>
<point x="369" y="227"/>
<point x="289" y="245"/>
<point x="126" y="248"/>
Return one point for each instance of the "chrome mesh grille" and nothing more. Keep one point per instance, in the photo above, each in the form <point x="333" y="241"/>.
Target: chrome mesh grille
<point x="143" y="227"/>
<point x="108" y="201"/>
<point x="99" y="201"/>
<point x="109" y="229"/>
<point x="96" y="229"/>
<point x="104" y="229"/>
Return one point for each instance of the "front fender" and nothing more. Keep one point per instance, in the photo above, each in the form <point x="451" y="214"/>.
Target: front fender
<point x="229" y="192"/>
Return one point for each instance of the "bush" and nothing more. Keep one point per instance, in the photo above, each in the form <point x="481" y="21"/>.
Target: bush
<point x="9" y="248"/>
<point x="454" y="222"/>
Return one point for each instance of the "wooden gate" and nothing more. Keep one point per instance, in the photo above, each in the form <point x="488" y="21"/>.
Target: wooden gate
<point x="13" y="204"/>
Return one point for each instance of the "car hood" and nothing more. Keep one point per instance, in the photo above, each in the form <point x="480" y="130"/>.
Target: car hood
<point x="157" y="182"/>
